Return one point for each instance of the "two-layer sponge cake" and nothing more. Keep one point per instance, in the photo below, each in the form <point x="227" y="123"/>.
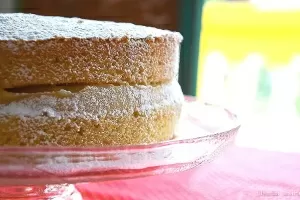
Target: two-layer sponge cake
<point x="75" y="82"/>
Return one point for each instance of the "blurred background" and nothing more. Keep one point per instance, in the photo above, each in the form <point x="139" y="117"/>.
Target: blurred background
<point x="244" y="55"/>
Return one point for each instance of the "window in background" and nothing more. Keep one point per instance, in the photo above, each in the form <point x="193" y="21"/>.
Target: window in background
<point x="250" y="62"/>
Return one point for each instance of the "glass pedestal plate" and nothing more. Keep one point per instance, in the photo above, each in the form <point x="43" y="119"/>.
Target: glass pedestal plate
<point x="50" y="172"/>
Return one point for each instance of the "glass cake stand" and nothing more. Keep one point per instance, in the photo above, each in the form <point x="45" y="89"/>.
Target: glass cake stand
<point x="49" y="172"/>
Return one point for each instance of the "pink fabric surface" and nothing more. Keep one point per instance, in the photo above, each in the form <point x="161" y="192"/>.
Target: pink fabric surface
<point x="239" y="174"/>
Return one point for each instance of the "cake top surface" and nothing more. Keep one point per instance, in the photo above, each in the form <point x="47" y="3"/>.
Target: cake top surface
<point x="20" y="26"/>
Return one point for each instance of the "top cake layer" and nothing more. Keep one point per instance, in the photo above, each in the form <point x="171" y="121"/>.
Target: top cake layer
<point x="42" y="50"/>
<point x="19" y="26"/>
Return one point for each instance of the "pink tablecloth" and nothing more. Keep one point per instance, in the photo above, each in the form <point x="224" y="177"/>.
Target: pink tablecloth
<point x="240" y="173"/>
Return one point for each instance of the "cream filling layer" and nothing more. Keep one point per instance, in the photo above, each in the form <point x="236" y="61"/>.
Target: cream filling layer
<point x="89" y="102"/>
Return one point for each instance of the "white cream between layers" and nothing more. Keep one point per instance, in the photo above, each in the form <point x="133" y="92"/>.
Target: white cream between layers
<point x="94" y="102"/>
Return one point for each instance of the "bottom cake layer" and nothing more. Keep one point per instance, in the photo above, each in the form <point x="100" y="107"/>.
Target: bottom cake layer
<point x="91" y="116"/>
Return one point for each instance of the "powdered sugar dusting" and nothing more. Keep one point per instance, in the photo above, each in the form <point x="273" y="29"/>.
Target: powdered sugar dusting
<point x="138" y="159"/>
<point x="19" y="26"/>
<point x="21" y="110"/>
<point x="96" y="102"/>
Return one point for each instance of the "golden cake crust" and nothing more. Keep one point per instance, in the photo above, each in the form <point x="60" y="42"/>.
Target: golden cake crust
<point x="75" y="51"/>
<point x="91" y="61"/>
<point x="133" y="129"/>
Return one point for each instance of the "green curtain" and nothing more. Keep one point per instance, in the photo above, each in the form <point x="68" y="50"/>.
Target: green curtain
<point x="190" y="27"/>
